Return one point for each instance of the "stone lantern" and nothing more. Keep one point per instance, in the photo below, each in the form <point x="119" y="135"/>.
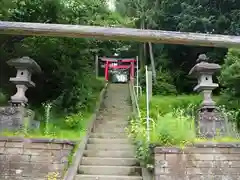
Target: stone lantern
<point x="210" y="122"/>
<point x="203" y="71"/>
<point x="25" y="67"/>
<point x="16" y="115"/>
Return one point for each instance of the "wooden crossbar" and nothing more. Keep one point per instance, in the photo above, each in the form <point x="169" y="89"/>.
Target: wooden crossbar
<point x="117" y="59"/>
<point x="119" y="67"/>
<point x="126" y="34"/>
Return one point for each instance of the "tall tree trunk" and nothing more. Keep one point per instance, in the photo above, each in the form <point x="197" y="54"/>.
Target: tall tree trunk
<point x="152" y="62"/>
<point x="143" y="50"/>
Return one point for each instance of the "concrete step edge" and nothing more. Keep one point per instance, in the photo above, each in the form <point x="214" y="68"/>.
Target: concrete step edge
<point x="109" y="158"/>
<point x="111" y="147"/>
<point x="105" y="166"/>
<point x="109" y="170"/>
<point x="108" y="176"/>
<point x="109" y="161"/>
<point x="107" y="139"/>
<point x="109" y="153"/>
<point x="107" y="134"/>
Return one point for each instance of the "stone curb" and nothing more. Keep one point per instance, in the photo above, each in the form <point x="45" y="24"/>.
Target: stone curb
<point x="178" y="150"/>
<point x="72" y="170"/>
<point x="36" y="140"/>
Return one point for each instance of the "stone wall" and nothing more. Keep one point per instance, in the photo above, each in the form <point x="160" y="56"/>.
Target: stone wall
<point x="205" y="161"/>
<point x="33" y="159"/>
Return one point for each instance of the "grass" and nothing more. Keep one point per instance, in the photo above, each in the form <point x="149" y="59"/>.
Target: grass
<point x="56" y="129"/>
<point x="172" y="121"/>
<point x="55" y="124"/>
<point x="172" y="124"/>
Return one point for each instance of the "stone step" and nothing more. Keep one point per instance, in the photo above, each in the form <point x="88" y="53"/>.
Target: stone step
<point x="109" y="130"/>
<point x="109" y="161"/>
<point x="108" y="135"/>
<point x="109" y="153"/>
<point x="104" y="177"/>
<point x="108" y="119"/>
<point x="114" y="113"/>
<point x="113" y="119"/>
<point x="110" y="126"/>
<point x="128" y="147"/>
<point x="110" y="170"/>
<point x="108" y="141"/>
<point x="112" y="122"/>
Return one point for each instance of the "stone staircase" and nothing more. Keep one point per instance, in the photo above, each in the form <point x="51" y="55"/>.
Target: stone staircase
<point x="109" y="155"/>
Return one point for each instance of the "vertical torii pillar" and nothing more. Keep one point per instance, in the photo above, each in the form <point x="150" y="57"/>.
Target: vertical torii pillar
<point x="96" y="65"/>
<point x="106" y="70"/>
<point x="132" y="71"/>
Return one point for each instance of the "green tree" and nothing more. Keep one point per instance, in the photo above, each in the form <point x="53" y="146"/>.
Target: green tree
<point x="68" y="76"/>
<point x="230" y="79"/>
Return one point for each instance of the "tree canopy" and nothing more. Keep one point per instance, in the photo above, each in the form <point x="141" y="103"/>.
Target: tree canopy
<point x="68" y="63"/>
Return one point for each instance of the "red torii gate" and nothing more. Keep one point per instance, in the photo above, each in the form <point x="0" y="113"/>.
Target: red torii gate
<point x="108" y="65"/>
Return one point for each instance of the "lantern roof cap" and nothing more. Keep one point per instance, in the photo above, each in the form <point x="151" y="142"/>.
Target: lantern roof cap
<point x="26" y="63"/>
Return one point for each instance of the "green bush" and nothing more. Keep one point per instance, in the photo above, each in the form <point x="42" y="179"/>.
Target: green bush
<point x="230" y="79"/>
<point x="165" y="104"/>
<point x="162" y="86"/>
<point x="74" y="121"/>
<point x="137" y="132"/>
<point x="172" y="124"/>
<point x="173" y="128"/>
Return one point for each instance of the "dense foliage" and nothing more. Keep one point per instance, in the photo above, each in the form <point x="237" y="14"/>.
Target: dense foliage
<point x="207" y="16"/>
<point x="67" y="64"/>
<point x="172" y="123"/>
<point x="67" y="83"/>
<point x="68" y="80"/>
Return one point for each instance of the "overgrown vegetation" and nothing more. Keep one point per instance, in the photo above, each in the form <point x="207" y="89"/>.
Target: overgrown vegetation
<point x="230" y="78"/>
<point x="67" y="89"/>
<point x="172" y="124"/>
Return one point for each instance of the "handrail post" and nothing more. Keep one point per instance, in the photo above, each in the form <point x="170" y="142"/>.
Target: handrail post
<point x="96" y="65"/>
<point x="147" y="104"/>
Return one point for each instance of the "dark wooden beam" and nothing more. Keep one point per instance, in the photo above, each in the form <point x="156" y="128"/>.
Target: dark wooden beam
<point x="125" y="34"/>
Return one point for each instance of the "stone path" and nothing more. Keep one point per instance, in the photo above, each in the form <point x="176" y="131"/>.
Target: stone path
<point x="109" y="155"/>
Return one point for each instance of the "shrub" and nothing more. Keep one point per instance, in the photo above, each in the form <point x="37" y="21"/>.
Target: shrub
<point x="173" y="128"/>
<point x="74" y="121"/>
<point x="230" y="79"/>
<point x="164" y="83"/>
<point x="170" y="129"/>
<point x="165" y="104"/>
<point x="137" y="132"/>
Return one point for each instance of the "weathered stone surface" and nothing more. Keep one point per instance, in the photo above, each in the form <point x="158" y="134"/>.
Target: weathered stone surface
<point x="207" y="162"/>
<point x="25" y="159"/>
<point x="211" y="124"/>
<point x="14" y="118"/>
<point x="11" y="117"/>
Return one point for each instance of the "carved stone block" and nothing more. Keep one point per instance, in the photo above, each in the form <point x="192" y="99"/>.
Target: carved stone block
<point x="211" y="124"/>
<point x="15" y="118"/>
<point x="11" y="118"/>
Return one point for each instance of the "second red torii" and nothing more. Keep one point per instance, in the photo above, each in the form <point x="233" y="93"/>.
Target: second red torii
<point x="124" y="60"/>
